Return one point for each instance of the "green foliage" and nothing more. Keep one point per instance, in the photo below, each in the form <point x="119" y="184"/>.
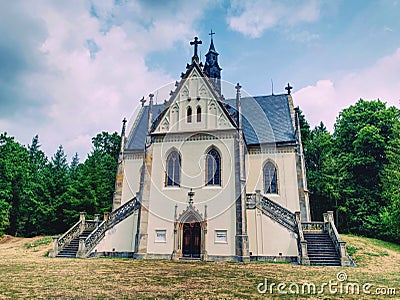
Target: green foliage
<point x="40" y="196"/>
<point x="390" y="214"/>
<point x="42" y="241"/>
<point x="351" y="250"/>
<point x="4" y="214"/>
<point x="356" y="171"/>
<point x="362" y="134"/>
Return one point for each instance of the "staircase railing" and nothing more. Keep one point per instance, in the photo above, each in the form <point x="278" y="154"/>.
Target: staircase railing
<point x="66" y="238"/>
<point x="340" y="245"/>
<point x="313" y="226"/>
<point x="273" y="210"/>
<point x="87" y="244"/>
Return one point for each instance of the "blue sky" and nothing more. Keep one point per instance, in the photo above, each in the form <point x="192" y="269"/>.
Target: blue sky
<point x="71" y="69"/>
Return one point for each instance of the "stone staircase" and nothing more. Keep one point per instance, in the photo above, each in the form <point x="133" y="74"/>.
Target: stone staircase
<point x="319" y="243"/>
<point x="321" y="250"/>
<point x="72" y="247"/>
<point x="81" y="238"/>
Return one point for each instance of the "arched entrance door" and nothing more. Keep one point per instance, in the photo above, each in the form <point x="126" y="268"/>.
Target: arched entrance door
<point x="191" y="239"/>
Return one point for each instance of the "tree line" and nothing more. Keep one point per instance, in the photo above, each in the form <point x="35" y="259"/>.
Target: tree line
<point x="354" y="171"/>
<point x="41" y="196"/>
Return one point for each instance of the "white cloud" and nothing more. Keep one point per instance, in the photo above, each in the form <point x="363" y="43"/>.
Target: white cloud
<point x="81" y="95"/>
<point x="252" y="18"/>
<point x="324" y="100"/>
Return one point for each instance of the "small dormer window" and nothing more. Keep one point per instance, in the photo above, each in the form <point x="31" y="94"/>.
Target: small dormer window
<point x="189" y="115"/>
<point x="198" y="114"/>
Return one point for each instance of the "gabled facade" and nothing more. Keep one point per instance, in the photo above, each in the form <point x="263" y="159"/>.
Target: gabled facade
<point x="217" y="179"/>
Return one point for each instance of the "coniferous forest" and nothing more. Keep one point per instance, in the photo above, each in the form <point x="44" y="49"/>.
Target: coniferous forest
<point x="41" y="196"/>
<point x="354" y="171"/>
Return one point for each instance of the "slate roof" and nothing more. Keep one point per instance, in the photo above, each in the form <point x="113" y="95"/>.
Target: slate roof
<point x="137" y="136"/>
<point x="266" y="119"/>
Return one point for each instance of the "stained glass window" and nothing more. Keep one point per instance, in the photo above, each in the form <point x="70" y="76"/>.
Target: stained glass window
<point x="270" y="178"/>
<point x="213" y="168"/>
<point x="189" y="115"/>
<point x="198" y="114"/>
<point x="173" y="169"/>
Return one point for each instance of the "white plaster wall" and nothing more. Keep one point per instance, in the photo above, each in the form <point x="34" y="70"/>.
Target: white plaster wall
<point x="268" y="238"/>
<point x="131" y="180"/>
<point x="225" y="221"/>
<point x="219" y="199"/>
<point x="287" y="178"/>
<point x="121" y="237"/>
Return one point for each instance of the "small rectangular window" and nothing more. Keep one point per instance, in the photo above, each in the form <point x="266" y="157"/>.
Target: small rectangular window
<point x="221" y="236"/>
<point x="161" y="236"/>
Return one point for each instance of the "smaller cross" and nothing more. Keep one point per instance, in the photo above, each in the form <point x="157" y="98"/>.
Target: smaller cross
<point x="288" y="88"/>
<point x="143" y="101"/>
<point x="238" y="87"/>
<point x="123" y="126"/>
<point x="196" y="42"/>
<point x="151" y="97"/>
<point x="191" y="194"/>
<point x="211" y="34"/>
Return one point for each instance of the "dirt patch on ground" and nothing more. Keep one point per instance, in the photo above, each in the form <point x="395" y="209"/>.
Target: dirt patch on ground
<point x="7" y="239"/>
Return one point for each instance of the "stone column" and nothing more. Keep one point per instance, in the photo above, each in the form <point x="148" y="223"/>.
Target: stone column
<point x="258" y="198"/>
<point x="301" y="173"/>
<point x="242" y="240"/>
<point x="54" y="250"/>
<point x="176" y="224"/>
<point x="305" y="260"/>
<point x="117" y="198"/>
<point x="204" y="253"/>
<point x="81" y="247"/>
<point x="106" y="215"/>
<point x="82" y="218"/>
<point x="145" y="185"/>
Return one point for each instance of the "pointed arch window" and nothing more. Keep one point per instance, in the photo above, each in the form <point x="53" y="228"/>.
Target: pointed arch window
<point x="270" y="178"/>
<point x="189" y="115"/>
<point x="213" y="168"/>
<point x="198" y="112"/>
<point x="173" y="174"/>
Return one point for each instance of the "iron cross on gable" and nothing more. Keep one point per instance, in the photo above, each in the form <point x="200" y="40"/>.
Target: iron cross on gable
<point x="288" y="88"/>
<point x="196" y="42"/>
<point x="143" y="101"/>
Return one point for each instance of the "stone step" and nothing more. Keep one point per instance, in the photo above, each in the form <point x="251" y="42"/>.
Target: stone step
<point x="325" y="257"/>
<point x="326" y="264"/>
<point x="333" y="253"/>
<point x="70" y="250"/>
<point x="321" y="250"/>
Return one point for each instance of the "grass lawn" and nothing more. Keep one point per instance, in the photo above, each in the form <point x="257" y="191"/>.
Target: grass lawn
<point x="25" y="273"/>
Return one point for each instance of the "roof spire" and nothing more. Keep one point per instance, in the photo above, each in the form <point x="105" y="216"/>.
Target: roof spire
<point x="211" y="67"/>
<point x="212" y="48"/>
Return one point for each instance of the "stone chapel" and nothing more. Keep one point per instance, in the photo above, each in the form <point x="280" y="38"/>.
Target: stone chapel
<point x="201" y="177"/>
